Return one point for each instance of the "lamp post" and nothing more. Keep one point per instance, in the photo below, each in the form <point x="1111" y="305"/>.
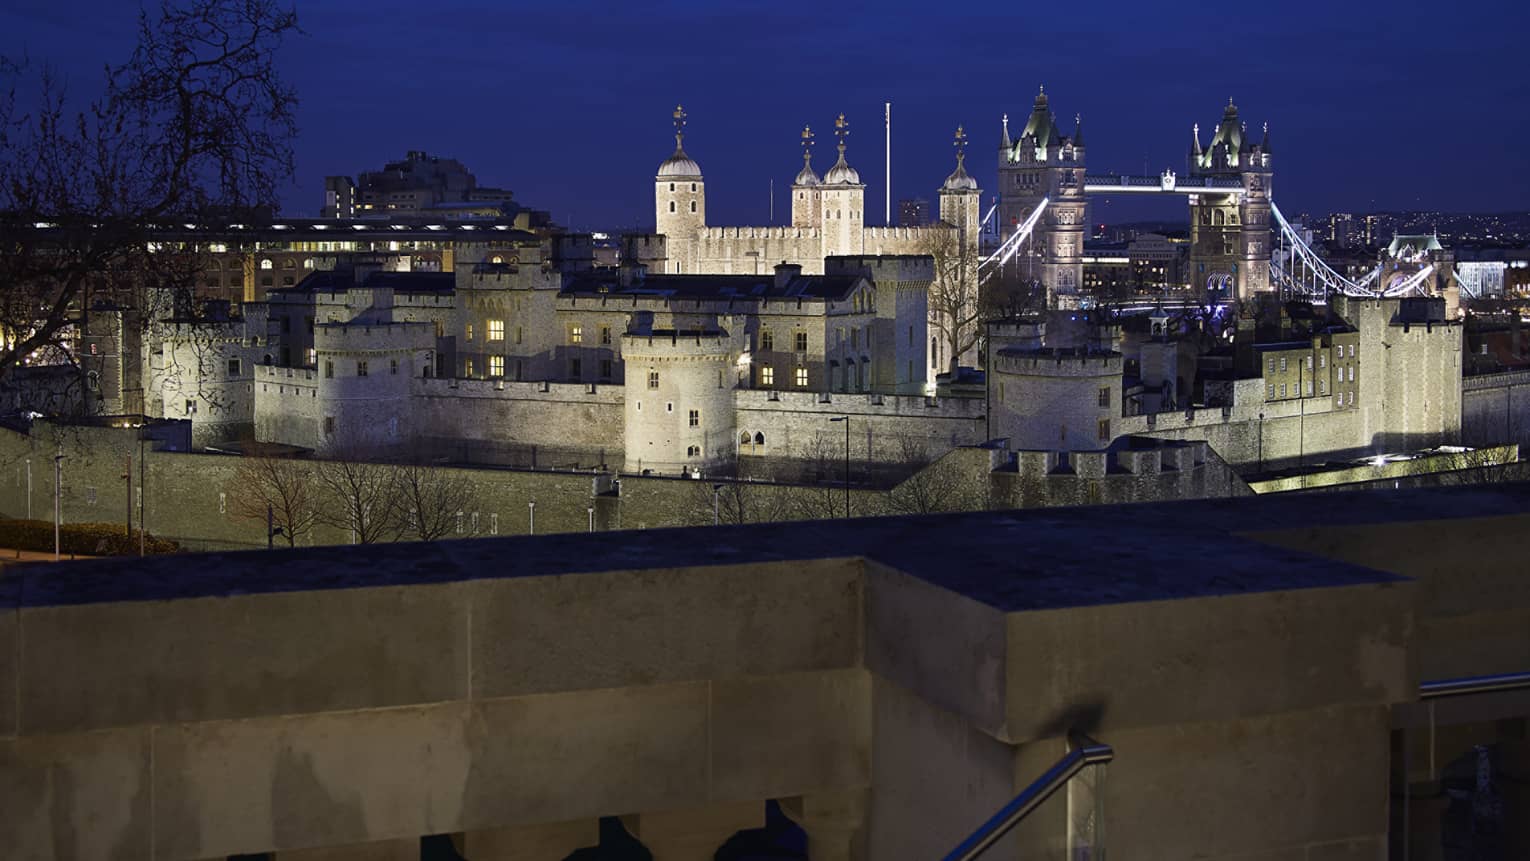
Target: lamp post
<point x="591" y="511"/>
<point x="58" y="477"/>
<point x="531" y="508"/>
<point x="716" y="504"/>
<point x="846" y="420"/>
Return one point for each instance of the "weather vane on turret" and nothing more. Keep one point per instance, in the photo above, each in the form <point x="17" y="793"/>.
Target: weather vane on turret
<point x="679" y="125"/>
<point x="961" y="145"/>
<point x="841" y="131"/>
<point x="807" y="144"/>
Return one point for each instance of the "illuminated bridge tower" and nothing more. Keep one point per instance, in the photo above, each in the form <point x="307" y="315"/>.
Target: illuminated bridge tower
<point x="1230" y="233"/>
<point x="1044" y="164"/>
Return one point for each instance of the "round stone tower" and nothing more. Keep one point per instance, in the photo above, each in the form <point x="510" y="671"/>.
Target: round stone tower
<point x="679" y="399"/>
<point x="680" y="202"/>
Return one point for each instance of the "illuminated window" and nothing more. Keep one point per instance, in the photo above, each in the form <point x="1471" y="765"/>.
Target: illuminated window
<point x="312" y="358"/>
<point x="496" y="330"/>
<point x="496" y="366"/>
<point x="695" y="418"/>
<point x="802" y="378"/>
<point x="470" y="331"/>
<point x="266" y="264"/>
<point x="1282" y="363"/>
<point x="576" y="334"/>
<point x="653" y="379"/>
<point x="767" y="376"/>
<point x="467" y="368"/>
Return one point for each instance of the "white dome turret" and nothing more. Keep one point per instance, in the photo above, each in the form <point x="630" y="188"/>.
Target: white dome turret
<point x="841" y="173"/>
<point x="679" y="165"/>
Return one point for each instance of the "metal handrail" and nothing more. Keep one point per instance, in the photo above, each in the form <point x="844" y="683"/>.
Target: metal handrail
<point x="1086" y="752"/>
<point x="1473" y="685"/>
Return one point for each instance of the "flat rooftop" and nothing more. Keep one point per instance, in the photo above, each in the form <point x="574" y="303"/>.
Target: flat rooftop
<point x="1010" y="560"/>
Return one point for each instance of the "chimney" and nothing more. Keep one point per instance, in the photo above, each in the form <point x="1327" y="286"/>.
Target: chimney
<point x="785" y="272"/>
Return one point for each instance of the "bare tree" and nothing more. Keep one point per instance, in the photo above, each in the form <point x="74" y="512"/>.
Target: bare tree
<point x="928" y="488"/>
<point x="359" y="498"/>
<point x="429" y="501"/>
<point x="197" y="123"/>
<point x="278" y="487"/>
<point x="735" y="502"/>
<point x="955" y="312"/>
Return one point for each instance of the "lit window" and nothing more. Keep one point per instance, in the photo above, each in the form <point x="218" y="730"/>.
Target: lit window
<point x="313" y="358"/>
<point x="1282" y="363"/>
<point x="467" y="368"/>
<point x="767" y="376"/>
<point x="496" y="366"/>
<point x="1351" y="398"/>
<point x="266" y="264"/>
<point x="496" y="330"/>
<point x="695" y="418"/>
<point x="1282" y="389"/>
<point x="802" y="378"/>
<point x="470" y="331"/>
<point x="653" y="379"/>
<point x="576" y="334"/>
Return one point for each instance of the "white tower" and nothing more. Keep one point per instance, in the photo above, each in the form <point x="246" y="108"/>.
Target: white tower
<point x="680" y="202"/>
<point x="807" y="203"/>
<point x="844" y="200"/>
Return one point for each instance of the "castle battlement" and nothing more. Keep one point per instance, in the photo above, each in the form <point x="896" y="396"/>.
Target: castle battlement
<point x="858" y="403"/>
<point x="447" y="387"/>
<point x="1057" y="363"/>
<point x="773" y="232"/>
<point x="677" y="345"/>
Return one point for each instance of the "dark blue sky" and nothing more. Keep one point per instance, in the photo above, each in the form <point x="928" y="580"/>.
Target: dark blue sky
<point x="1370" y="105"/>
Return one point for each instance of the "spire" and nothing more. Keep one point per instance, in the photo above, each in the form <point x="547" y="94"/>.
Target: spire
<point x="1265" y="146"/>
<point x="806" y="176"/>
<point x="1041" y="98"/>
<point x="1078" y="130"/>
<point x="1007" y="144"/>
<point x="679" y="129"/>
<point x="1195" y="137"/>
<point x="841" y="172"/>
<point x="959" y="180"/>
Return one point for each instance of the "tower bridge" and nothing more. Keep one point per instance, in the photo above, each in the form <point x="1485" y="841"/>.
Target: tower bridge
<point x="1240" y="243"/>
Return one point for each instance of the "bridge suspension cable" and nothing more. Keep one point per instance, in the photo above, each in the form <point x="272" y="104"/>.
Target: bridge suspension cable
<point x="1011" y="246"/>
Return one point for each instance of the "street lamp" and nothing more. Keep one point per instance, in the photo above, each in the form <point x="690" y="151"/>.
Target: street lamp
<point x="531" y="508"/>
<point x="58" y="478"/>
<point x="846" y="420"/>
<point x="716" y="507"/>
<point x="591" y="511"/>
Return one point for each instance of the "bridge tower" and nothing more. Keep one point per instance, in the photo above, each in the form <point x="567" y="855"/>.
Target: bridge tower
<point x="1044" y="164"/>
<point x="1230" y="233"/>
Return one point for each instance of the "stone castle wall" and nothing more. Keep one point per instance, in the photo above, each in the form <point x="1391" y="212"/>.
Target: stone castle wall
<point x="1495" y="409"/>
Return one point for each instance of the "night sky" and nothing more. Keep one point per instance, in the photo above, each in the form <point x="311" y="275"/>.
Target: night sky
<point x="1400" y="105"/>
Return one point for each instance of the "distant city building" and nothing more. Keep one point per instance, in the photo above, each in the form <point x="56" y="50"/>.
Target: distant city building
<point x="419" y="184"/>
<point x="913" y="212"/>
